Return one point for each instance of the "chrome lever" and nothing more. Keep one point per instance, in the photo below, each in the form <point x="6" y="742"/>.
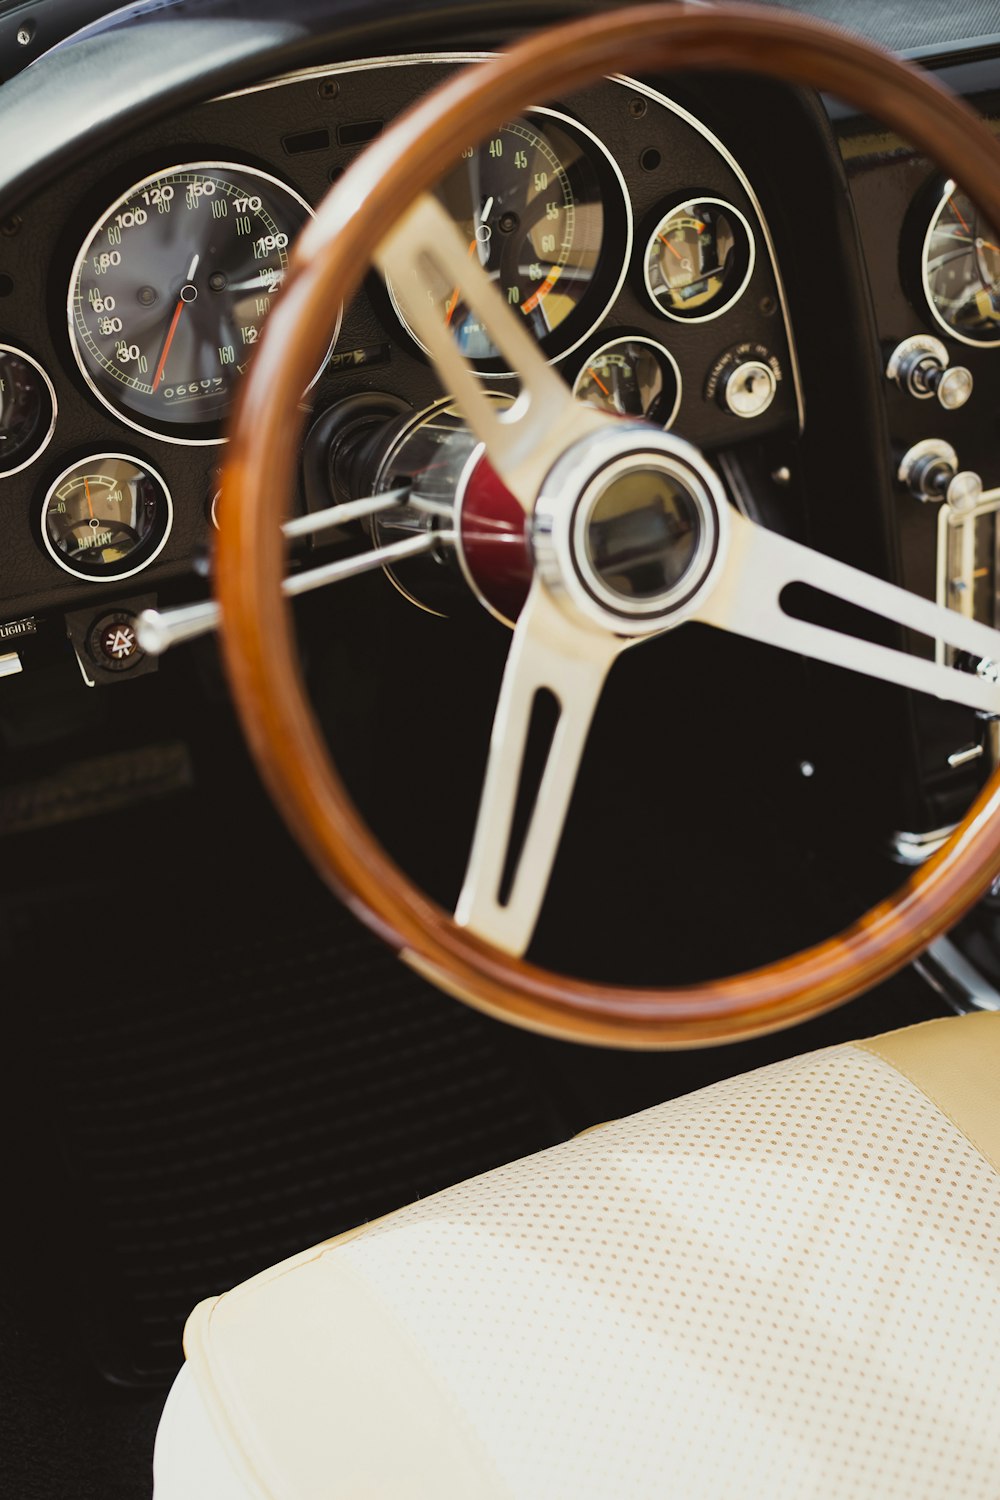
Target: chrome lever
<point x="158" y="630"/>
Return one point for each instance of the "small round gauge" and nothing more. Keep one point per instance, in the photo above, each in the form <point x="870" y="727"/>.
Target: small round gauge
<point x="633" y="377"/>
<point x="107" y="516"/>
<point x="698" y="259"/>
<point x="961" y="270"/>
<point x="543" y="206"/>
<point x="27" y="409"/>
<point x="170" y="290"/>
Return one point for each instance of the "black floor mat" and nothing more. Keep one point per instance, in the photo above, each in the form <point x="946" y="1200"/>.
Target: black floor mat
<point x="250" y="1101"/>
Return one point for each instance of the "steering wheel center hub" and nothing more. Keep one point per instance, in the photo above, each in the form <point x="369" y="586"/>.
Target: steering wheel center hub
<point x="630" y="526"/>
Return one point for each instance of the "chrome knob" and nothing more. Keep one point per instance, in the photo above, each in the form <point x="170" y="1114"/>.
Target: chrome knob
<point x="930" y="472"/>
<point x="964" y="491"/>
<point x="953" y="387"/>
<point x="920" y="367"/>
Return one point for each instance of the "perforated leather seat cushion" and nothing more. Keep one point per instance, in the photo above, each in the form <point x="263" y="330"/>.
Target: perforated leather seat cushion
<point x="785" y="1285"/>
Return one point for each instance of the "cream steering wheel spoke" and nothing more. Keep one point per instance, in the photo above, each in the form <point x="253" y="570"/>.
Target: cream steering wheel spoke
<point x="760" y="564"/>
<point x="425" y="250"/>
<point x="505" y="885"/>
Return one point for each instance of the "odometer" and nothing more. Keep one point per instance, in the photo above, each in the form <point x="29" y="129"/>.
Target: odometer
<point x="171" y="288"/>
<point x="543" y="207"/>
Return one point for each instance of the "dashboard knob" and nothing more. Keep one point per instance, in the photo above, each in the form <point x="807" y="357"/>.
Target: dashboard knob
<point x="953" y="386"/>
<point x="747" y="389"/>
<point x="964" y="491"/>
<point x="920" y="367"/>
<point x="930" y="472"/>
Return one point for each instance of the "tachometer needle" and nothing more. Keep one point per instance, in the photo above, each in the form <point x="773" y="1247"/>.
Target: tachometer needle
<point x="453" y="303"/>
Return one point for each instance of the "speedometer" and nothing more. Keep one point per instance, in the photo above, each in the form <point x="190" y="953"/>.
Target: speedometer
<point x="170" y="290"/>
<point x="542" y="205"/>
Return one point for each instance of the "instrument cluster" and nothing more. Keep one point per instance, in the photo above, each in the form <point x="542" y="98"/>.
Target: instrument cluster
<point x="616" y="225"/>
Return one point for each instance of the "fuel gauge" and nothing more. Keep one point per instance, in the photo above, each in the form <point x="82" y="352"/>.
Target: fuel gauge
<point x="27" y="409"/>
<point x="632" y="377"/>
<point x="698" y="259"/>
<point x="106" y="517"/>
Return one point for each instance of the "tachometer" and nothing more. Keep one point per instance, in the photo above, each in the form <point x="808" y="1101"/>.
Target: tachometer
<point x="543" y="206"/>
<point x="961" y="270"/>
<point x="171" y="288"/>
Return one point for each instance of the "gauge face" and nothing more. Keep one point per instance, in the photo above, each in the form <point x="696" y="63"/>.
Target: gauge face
<point x="27" y="409"/>
<point x="961" y="270"/>
<point x="632" y="377"/>
<point x="106" y="517"/>
<point x="171" y="288"/>
<point x="698" y="259"/>
<point x="543" y="207"/>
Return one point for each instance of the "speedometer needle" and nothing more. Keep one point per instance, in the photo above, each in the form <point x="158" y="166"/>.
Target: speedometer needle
<point x="168" y="341"/>
<point x="181" y="300"/>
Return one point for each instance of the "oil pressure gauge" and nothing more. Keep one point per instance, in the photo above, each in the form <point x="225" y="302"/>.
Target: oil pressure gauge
<point x="106" y="517"/>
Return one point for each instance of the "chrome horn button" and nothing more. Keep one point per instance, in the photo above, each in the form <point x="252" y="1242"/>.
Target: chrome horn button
<point x="630" y="526"/>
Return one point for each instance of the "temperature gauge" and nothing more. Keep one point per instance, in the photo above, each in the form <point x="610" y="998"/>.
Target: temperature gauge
<point x="106" y="517"/>
<point x="632" y="377"/>
<point x="698" y="260"/>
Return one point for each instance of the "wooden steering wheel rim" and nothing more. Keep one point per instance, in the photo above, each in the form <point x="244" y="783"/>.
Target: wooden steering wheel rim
<point x="258" y="634"/>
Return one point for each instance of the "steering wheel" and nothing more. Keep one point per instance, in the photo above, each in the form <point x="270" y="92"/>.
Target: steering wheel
<point x="579" y="482"/>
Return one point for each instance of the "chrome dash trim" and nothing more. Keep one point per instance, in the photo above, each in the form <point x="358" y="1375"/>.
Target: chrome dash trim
<point x="454" y="59"/>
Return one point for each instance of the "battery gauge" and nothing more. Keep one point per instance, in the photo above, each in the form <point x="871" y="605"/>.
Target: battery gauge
<point x="105" y="517"/>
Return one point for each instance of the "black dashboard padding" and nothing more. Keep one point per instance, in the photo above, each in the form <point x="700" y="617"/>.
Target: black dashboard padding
<point x="65" y="110"/>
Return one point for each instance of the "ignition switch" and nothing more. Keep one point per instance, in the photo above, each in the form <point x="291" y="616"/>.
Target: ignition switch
<point x="744" y="380"/>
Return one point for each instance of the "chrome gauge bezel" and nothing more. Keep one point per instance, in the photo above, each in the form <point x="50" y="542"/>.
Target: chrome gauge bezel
<point x="164" y="433"/>
<point x="724" y="307"/>
<point x="493" y="370"/>
<point x="953" y="333"/>
<point x="660" y="350"/>
<point x="99" y="458"/>
<point x="37" y="452"/>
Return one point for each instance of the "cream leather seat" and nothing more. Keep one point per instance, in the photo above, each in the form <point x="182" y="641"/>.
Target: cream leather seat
<point x="786" y="1285"/>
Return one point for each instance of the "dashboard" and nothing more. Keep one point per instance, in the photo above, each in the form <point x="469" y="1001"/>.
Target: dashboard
<point x="822" y="321"/>
<point x="623" y="229"/>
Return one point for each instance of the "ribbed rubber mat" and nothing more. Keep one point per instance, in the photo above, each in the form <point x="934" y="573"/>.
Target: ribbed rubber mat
<point x="296" y="1084"/>
<point x="93" y="788"/>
